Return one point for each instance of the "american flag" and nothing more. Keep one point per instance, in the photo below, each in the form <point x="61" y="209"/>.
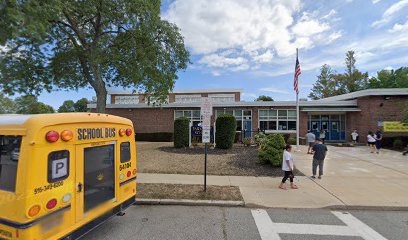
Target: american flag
<point x="297" y="73"/>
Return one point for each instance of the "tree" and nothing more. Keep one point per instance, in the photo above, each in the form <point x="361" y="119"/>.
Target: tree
<point x="325" y="85"/>
<point x="405" y="115"/>
<point x="264" y="98"/>
<point x="81" y="105"/>
<point x="352" y="80"/>
<point x="67" y="106"/>
<point x="30" y="105"/>
<point x="72" y="44"/>
<point x="7" y="105"/>
<point x="390" y="79"/>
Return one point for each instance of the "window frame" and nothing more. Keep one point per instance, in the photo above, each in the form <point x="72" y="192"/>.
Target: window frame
<point x="272" y="115"/>
<point x="120" y="152"/>
<point x="49" y="166"/>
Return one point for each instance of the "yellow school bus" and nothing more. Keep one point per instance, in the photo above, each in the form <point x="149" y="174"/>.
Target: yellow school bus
<point x="63" y="174"/>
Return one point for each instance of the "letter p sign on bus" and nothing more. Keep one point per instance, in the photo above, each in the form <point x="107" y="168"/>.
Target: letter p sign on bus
<point x="59" y="168"/>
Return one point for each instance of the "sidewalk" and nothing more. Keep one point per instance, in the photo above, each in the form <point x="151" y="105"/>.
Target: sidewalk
<point x="353" y="178"/>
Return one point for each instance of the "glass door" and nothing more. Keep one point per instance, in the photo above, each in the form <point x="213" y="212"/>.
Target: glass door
<point x="95" y="176"/>
<point x="335" y="130"/>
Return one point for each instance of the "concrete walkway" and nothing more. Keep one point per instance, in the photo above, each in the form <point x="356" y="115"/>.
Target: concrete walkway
<point x="353" y="178"/>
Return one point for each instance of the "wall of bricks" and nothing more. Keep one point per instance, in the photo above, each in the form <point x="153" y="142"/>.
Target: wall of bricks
<point x="373" y="110"/>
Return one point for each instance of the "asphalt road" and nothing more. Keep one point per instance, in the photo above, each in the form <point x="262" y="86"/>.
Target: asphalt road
<point x="183" y="222"/>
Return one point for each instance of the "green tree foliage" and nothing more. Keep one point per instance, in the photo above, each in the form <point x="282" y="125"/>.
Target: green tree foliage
<point x="71" y="44"/>
<point x="81" y="105"/>
<point x="264" y="98"/>
<point x="67" y="106"/>
<point x="7" y="105"/>
<point x="271" y="150"/>
<point x="226" y="126"/>
<point x="181" y="132"/>
<point x="390" y="79"/>
<point x="325" y="85"/>
<point x="330" y="83"/>
<point x="352" y="80"/>
<point x="30" y="105"/>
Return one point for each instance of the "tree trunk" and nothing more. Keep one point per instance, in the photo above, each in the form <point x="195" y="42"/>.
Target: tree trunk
<point x="101" y="95"/>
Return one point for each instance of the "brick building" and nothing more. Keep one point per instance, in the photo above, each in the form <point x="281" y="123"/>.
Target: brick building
<point x="339" y="115"/>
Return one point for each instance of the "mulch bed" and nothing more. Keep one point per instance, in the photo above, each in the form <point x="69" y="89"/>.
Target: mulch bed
<point x="238" y="161"/>
<point x="193" y="192"/>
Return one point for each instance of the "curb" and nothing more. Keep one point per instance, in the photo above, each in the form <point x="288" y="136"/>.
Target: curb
<point x="189" y="202"/>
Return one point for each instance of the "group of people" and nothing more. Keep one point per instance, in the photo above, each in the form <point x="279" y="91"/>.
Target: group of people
<point x="374" y="141"/>
<point x="319" y="151"/>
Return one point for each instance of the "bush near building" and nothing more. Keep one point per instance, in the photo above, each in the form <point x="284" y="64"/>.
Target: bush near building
<point x="181" y="132"/>
<point x="398" y="144"/>
<point x="271" y="149"/>
<point x="395" y="142"/>
<point x="226" y="126"/>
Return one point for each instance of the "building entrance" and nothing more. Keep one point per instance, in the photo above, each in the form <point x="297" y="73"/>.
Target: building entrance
<point x="333" y="124"/>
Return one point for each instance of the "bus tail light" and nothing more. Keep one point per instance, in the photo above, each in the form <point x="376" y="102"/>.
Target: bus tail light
<point x="122" y="132"/>
<point x="129" y="132"/>
<point x="67" y="135"/>
<point x="134" y="171"/>
<point x="34" y="210"/>
<point x="129" y="174"/>
<point x="122" y="176"/>
<point x="52" y="136"/>
<point x="52" y="203"/>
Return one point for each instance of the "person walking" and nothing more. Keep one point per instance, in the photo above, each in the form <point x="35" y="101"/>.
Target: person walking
<point x="287" y="167"/>
<point x="322" y="135"/>
<point x="319" y="154"/>
<point x="378" y="139"/>
<point x="371" y="141"/>
<point x="354" y="136"/>
<point x="311" y="138"/>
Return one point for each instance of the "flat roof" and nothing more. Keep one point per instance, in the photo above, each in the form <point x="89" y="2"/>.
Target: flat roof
<point x="368" y="92"/>
<point x="351" y="103"/>
<point x="209" y="90"/>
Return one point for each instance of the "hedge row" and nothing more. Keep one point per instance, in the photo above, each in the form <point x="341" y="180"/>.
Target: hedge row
<point x="155" y="137"/>
<point x="395" y="142"/>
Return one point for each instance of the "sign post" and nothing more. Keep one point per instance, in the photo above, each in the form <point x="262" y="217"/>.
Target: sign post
<point x="206" y="112"/>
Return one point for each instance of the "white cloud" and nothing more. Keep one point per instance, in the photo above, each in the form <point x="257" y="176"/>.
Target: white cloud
<point x="224" y="33"/>
<point x="376" y="1"/>
<point x="389" y="68"/>
<point x="388" y="15"/>
<point x="215" y="60"/>
<point x="399" y="27"/>
<point x="216" y="73"/>
<point x="273" y="90"/>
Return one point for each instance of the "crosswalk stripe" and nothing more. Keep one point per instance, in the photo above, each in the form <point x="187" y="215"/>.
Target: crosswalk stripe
<point x="358" y="226"/>
<point x="263" y="223"/>
<point x="269" y="230"/>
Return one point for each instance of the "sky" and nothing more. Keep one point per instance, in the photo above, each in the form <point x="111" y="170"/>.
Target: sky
<point x="252" y="44"/>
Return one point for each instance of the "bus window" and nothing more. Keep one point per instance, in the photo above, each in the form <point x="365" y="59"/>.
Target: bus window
<point x="124" y="152"/>
<point x="58" y="166"/>
<point x="9" y="155"/>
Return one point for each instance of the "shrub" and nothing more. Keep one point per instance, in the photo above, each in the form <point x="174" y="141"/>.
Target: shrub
<point x="181" y="132"/>
<point x="260" y="138"/>
<point x="272" y="150"/>
<point x="398" y="144"/>
<point x="286" y="137"/>
<point x="155" y="137"/>
<point x="291" y="141"/>
<point x="247" y="141"/>
<point x="226" y="126"/>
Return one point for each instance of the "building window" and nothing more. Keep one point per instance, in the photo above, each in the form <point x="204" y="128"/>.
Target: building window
<point x="126" y="99"/>
<point x="277" y="120"/>
<point x="240" y="115"/>
<point x="193" y="115"/>
<point x="188" y="98"/>
<point x="222" y="97"/>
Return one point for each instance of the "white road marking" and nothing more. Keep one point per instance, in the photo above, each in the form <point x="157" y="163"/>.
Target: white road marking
<point x="263" y="223"/>
<point x="358" y="226"/>
<point x="269" y="230"/>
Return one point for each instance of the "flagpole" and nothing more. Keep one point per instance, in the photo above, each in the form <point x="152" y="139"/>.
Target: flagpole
<point x="297" y="111"/>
